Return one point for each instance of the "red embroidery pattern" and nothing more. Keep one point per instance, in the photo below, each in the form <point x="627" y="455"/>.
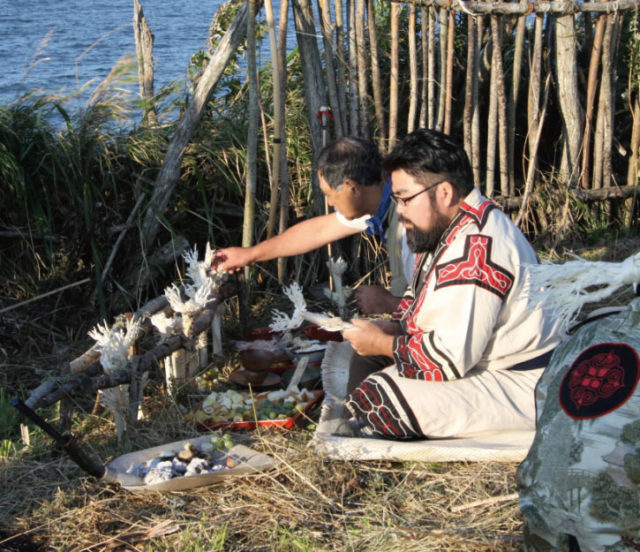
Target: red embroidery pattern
<point x="480" y="214"/>
<point x="469" y="215"/>
<point x="371" y="401"/>
<point x="413" y="360"/>
<point x="598" y="377"/>
<point x="403" y="307"/>
<point x="475" y="267"/>
<point x="600" y="380"/>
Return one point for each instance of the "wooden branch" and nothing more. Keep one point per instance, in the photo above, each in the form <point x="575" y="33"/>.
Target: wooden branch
<point x="169" y="173"/>
<point x="522" y="8"/>
<point x="52" y="292"/>
<point x="128" y="224"/>
<point x="91" y="378"/>
<point x="144" y="49"/>
<point x="614" y="192"/>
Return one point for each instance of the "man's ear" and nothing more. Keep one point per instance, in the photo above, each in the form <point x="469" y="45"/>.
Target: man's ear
<point x="352" y="186"/>
<point x="448" y="194"/>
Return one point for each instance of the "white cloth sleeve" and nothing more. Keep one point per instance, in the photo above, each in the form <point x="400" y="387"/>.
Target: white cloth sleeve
<point x="358" y="223"/>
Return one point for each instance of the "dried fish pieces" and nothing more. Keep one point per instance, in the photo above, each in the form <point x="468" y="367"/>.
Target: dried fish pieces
<point x="187" y="462"/>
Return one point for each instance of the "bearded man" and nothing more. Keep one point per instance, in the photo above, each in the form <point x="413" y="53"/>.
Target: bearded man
<point x="464" y="351"/>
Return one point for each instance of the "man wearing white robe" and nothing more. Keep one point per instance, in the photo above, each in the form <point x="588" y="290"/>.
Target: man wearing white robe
<point x="464" y="352"/>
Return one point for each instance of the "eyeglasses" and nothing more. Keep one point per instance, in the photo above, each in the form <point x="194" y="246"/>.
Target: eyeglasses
<point x="404" y="200"/>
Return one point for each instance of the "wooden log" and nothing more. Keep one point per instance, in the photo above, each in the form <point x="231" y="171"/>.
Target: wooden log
<point x="592" y="85"/>
<point x="533" y="161"/>
<point x="568" y="97"/>
<point x="91" y="380"/>
<point x="509" y="204"/>
<point x="144" y="50"/>
<point x="525" y="8"/>
<point x="606" y="103"/>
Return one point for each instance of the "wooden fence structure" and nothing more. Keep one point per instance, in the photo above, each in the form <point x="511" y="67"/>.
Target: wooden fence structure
<point x="525" y="85"/>
<point x="538" y="92"/>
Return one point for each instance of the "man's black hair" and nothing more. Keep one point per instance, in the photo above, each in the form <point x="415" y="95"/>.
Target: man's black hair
<point x="352" y="158"/>
<point x="429" y="151"/>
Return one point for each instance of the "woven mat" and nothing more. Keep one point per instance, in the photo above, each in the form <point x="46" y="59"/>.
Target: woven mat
<point x="509" y="446"/>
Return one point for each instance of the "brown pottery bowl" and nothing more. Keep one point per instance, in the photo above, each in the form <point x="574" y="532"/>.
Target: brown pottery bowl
<point x="256" y="360"/>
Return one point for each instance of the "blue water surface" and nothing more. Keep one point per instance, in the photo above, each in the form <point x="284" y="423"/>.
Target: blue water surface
<point x="59" y="45"/>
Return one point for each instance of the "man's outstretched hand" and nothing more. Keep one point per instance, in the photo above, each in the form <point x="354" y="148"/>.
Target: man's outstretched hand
<point x="232" y="259"/>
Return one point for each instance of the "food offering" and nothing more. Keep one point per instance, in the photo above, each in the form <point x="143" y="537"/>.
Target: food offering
<point x="186" y="464"/>
<point x="241" y="410"/>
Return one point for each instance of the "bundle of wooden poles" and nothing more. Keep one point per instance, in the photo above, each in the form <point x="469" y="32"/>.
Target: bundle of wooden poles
<point x="85" y="375"/>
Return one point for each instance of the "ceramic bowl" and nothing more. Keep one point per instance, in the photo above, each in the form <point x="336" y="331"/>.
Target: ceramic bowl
<point x="255" y="360"/>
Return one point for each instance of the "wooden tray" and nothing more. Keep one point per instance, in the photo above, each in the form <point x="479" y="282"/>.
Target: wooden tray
<point x="247" y="461"/>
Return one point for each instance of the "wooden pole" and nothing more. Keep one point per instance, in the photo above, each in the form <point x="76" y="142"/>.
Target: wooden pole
<point x="476" y="163"/>
<point x="468" y="88"/>
<point x="431" y="79"/>
<point x="341" y="64"/>
<point x="497" y="66"/>
<point x="376" y="82"/>
<point x="592" y="85"/>
<point x="354" y="104"/>
<point x="284" y="170"/>
<point x="329" y="56"/>
<point x="424" y="47"/>
<point x="535" y="87"/>
<point x="314" y="83"/>
<point x="492" y="123"/>
<point x="413" y="70"/>
<point x="448" y="95"/>
<point x="277" y="119"/>
<point x="394" y="75"/>
<point x="144" y="50"/>
<point x="444" y="30"/>
<point x="513" y="100"/>
<point x="361" y="59"/>
<point x="568" y="97"/>
<point x="480" y="7"/>
<point x="252" y="136"/>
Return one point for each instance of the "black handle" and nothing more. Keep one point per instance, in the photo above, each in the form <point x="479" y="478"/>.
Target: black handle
<point x="67" y="442"/>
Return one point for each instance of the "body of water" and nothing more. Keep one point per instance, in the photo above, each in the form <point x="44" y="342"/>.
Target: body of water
<point x="59" y="45"/>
